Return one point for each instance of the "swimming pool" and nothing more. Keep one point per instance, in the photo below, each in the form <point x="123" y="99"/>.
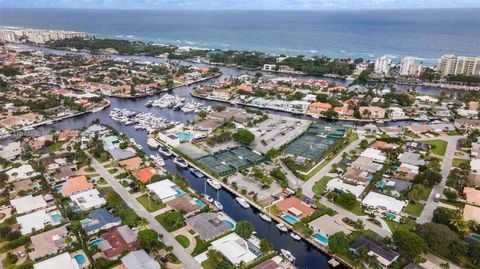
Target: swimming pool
<point x="290" y="219"/>
<point x="229" y="223"/>
<point x="80" y="259"/>
<point x="322" y="239"/>
<point x="179" y="192"/>
<point x="58" y="188"/>
<point x="389" y="215"/>
<point x="185" y="136"/>
<point x="200" y="203"/>
<point x="95" y="242"/>
<point x="381" y="184"/>
<point x="56" y="217"/>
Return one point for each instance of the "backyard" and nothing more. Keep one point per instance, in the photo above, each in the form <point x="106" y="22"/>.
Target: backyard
<point x="150" y="204"/>
<point x="171" y="220"/>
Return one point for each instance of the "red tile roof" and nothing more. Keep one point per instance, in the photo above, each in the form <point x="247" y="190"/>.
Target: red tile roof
<point x="295" y="203"/>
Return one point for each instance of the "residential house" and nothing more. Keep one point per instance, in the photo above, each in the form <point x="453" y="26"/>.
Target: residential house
<point x="327" y="225"/>
<point x="48" y="243"/>
<point x="466" y="125"/>
<point x="144" y="175"/>
<point x="338" y="184"/>
<point x="139" y="259"/>
<point x="164" y="190"/>
<point x="472" y="196"/>
<point x="118" y="240"/>
<point x="208" y="225"/>
<point x="87" y="200"/>
<point x="411" y="158"/>
<point x="100" y="219"/>
<point x="62" y="261"/>
<point x="374" y="154"/>
<point x="407" y="171"/>
<point x="28" y="204"/>
<point x="373" y="112"/>
<point x="383" y="202"/>
<point x="75" y="185"/>
<point x="23" y="172"/>
<point x="235" y="249"/>
<point x="366" y="164"/>
<point x="471" y="212"/>
<point x="385" y="256"/>
<point x="11" y="151"/>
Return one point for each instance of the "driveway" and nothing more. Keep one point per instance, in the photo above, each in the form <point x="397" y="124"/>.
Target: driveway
<point x="168" y="238"/>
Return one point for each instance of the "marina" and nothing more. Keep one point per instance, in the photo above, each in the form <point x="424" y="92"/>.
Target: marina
<point x="141" y="121"/>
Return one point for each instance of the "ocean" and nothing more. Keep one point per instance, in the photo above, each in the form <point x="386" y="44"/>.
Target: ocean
<point x="426" y="34"/>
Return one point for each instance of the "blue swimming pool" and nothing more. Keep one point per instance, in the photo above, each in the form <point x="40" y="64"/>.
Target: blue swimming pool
<point x="200" y="203"/>
<point x="56" y="217"/>
<point x="322" y="239"/>
<point x="58" y="188"/>
<point x="179" y="192"/>
<point x="229" y="223"/>
<point x="95" y="242"/>
<point x="390" y="215"/>
<point x="381" y="184"/>
<point x="80" y="259"/>
<point x="290" y="219"/>
<point x="185" y="136"/>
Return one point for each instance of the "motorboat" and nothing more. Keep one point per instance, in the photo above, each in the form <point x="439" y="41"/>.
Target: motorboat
<point x="243" y="202"/>
<point x="165" y="151"/>
<point x="282" y="227"/>
<point x="208" y="198"/>
<point x="215" y="184"/>
<point x="288" y="255"/>
<point x="295" y="236"/>
<point x="265" y="217"/>
<point x="196" y="172"/>
<point x="218" y="204"/>
<point x="180" y="162"/>
<point x="152" y="143"/>
<point x="158" y="159"/>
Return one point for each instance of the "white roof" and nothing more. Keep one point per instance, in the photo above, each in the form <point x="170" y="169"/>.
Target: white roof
<point x="378" y="200"/>
<point x="163" y="189"/>
<point x="475" y="165"/>
<point x="22" y="172"/>
<point x="28" y="203"/>
<point x="88" y="199"/>
<point x="234" y="248"/>
<point x="62" y="261"/>
<point x="35" y="220"/>
<point x="337" y="183"/>
<point x="375" y="154"/>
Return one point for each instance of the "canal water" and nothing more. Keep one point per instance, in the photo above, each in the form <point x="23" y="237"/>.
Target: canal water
<point x="306" y="255"/>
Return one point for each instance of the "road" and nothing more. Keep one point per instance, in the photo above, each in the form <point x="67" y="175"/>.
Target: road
<point x="186" y="259"/>
<point x="307" y="186"/>
<point x="430" y="205"/>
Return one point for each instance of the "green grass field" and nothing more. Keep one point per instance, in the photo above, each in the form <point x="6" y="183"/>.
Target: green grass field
<point x="183" y="240"/>
<point x="414" y="209"/>
<point x="320" y="185"/>
<point x="439" y="147"/>
<point x="149" y="204"/>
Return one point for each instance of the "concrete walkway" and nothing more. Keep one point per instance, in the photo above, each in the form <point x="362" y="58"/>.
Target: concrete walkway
<point x="185" y="232"/>
<point x="187" y="260"/>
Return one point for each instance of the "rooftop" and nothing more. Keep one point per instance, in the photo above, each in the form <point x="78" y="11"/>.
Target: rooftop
<point x="234" y="248"/>
<point x="28" y="203"/>
<point x="48" y="243"/>
<point x="88" y="199"/>
<point x="139" y="260"/>
<point x="144" y="175"/>
<point x="62" y="261"/>
<point x="381" y="201"/>
<point x="297" y="204"/>
<point x="75" y="184"/>
<point x="131" y="164"/>
<point x="118" y="240"/>
<point x="207" y="225"/>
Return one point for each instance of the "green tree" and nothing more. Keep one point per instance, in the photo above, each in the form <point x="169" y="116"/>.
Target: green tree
<point x="428" y="177"/>
<point x="244" y="229"/>
<point x="338" y="243"/>
<point x="148" y="239"/>
<point x="346" y="199"/>
<point x="244" y="137"/>
<point x="265" y="246"/>
<point x="410" y="245"/>
<point x="272" y="153"/>
<point x="438" y="237"/>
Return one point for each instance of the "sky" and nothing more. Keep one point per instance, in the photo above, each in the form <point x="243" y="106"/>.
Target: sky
<point x="241" y="4"/>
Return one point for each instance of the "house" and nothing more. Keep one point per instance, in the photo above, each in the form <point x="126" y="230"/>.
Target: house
<point x="118" y="240"/>
<point x="407" y="171"/>
<point x="235" y="249"/>
<point x="411" y="158"/>
<point x="208" y="225"/>
<point x="472" y="196"/>
<point x="62" y="261"/>
<point x="426" y="99"/>
<point x="37" y="220"/>
<point x="338" y="184"/>
<point x="294" y="206"/>
<point x="373" y="112"/>
<point x="23" y="172"/>
<point x="366" y="164"/>
<point x="121" y="154"/>
<point x="383" y="202"/>
<point x="48" y="243"/>
<point x="378" y="144"/>
<point x="39" y="142"/>
<point x="419" y="128"/>
<point x="139" y="259"/>
<point x="318" y="107"/>
<point x="357" y="175"/>
<point x="466" y="125"/>
<point x="396" y="113"/>
<point x="471" y="212"/>
<point x="327" y="225"/>
<point x="475" y="166"/>
<point x="100" y="219"/>
<point x="131" y="164"/>
<point x="417" y="146"/>
<point x="75" y="185"/>
<point x="110" y="142"/>
<point x="67" y="134"/>
<point x="375" y="154"/>
<point x="164" y="190"/>
<point x="385" y="256"/>
<point x="28" y="204"/>
<point x="11" y="151"/>
<point x="392" y="131"/>
<point x="87" y="200"/>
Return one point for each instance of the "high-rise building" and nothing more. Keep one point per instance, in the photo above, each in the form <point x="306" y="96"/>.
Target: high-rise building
<point x="458" y="65"/>
<point x="382" y="65"/>
<point x="8" y="36"/>
<point x="410" y="66"/>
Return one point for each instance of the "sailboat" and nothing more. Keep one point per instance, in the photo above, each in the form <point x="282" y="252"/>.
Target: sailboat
<point x="217" y="203"/>
<point x="205" y="195"/>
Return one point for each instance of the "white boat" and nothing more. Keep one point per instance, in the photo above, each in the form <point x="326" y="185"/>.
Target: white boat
<point x="196" y="172"/>
<point x="243" y="202"/>
<point x="295" y="236"/>
<point x="218" y="204"/>
<point x="164" y="150"/>
<point x="215" y="184"/>
<point x="282" y="227"/>
<point x="152" y="143"/>
<point x="208" y="198"/>
<point x="158" y="160"/>
<point x="180" y="162"/>
<point x="287" y="254"/>
<point x="265" y="217"/>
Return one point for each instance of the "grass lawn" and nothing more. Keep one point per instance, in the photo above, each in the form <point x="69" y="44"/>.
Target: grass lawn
<point x="357" y="209"/>
<point x="150" y="205"/>
<point x="320" y="185"/>
<point x="414" y="209"/>
<point x="200" y="246"/>
<point x="439" y="147"/>
<point x="183" y="240"/>
<point x="407" y="226"/>
<point x="171" y="220"/>
<point x="56" y="146"/>
<point x="426" y="194"/>
<point x="456" y="162"/>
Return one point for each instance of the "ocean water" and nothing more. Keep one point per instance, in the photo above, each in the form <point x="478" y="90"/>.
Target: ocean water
<point x="426" y="34"/>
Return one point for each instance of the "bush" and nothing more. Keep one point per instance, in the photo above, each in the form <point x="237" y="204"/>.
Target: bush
<point x="244" y="137"/>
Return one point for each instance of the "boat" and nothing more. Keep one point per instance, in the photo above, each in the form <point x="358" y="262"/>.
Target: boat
<point x="208" y="198"/>
<point x="265" y="217"/>
<point x="180" y="162"/>
<point x="165" y="151"/>
<point x="215" y="184"/>
<point x="295" y="236"/>
<point x="333" y="262"/>
<point x="288" y="255"/>
<point x="282" y="227"/>
<point x="158" y="159"/>
<point x="152" y="143"/>
<point x="218" y="204"/>
<point x="196" y="172"/>
<point x="243" y="202"/>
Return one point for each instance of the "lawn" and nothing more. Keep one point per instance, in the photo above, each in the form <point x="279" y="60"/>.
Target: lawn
<point x="183" y="240"/>
<point x="150" y="205"/>
<point x="320" y="185"/>
<point x="171" y="220"/>
<point x="56" y="146"/>
<point x="439" y="147"/>
<point x="407" y="226"/>
<point x="200" y="246"/>
<point x="457" y="162"/>
<point x="414" y="209"/>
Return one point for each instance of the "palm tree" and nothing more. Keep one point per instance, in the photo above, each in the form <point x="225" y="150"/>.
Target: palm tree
<point x="143" y="223"/>
<point x="459" y="224"/>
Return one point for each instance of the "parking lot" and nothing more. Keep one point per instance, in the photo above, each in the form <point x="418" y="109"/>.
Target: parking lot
<point x="277" y="131"/>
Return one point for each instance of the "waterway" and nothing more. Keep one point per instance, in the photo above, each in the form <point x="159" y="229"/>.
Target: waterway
<point x="308" y="257"/>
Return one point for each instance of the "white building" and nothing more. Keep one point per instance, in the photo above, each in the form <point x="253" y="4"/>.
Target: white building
<point x="234" y="248"/>
<point x="28" y="204"/>
<point x="383" y="202"/>
<point x="382" y="65"/>
<point x="410" y="66"/>
<point x="269" y="67"/>
<point x="35" y="221"/>
<point x="164" y="190"/>
<point x="396" y="112"/>
<point x="458" y="65"/>
<point x="374" y="154"/>
<point x="62" y="261"/>
<point x="88" y="200"/>
<point x="338" y="184"/>
<point x="23" y="172"/>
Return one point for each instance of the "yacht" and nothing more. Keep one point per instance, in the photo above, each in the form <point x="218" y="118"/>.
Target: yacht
<point x="265" y="217"/>
<point x="243" y="202"/>
<point x="196" y="172"/>
<point x="288" y="255"/>
<point x="180" y="162"/>
<point x="295" y="236"/>
<point x="215" y="184"/>
<point x="282" y="227"/>
<point x="152" y="143"/>
<point x="158" y="159"/>
<point x="218" y="204"/>
<point x="208" y="198"/>
<point x="165" y="151"/>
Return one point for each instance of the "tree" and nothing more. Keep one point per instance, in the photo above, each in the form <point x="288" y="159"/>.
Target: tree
<point x="359" y="225"/>
<point x="474" y="252"/>
<point x="244" y="229"/>
<point x="330" y="113"/>
<point x="416" y="193"/>
<point x="363" y="144"/>
<point x="428" y="177"/>
<point x="338" y="243"/>
<point x="148" y="239"/>
<point x="244" y="137"/>
<point x="322" y="97"/>
<point x="272" y="153"/>
<point x="410" y="245"/>
<point x="442" y="215"/>
<point x="346" y="199"/>
<point x="438" y="237"/>
<point x="265" y="246"/>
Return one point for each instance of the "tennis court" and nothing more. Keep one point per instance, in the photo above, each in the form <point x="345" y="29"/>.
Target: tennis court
<point x="230" y="160"/>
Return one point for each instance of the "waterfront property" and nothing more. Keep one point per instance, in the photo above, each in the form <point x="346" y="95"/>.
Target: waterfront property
<point x="116" y="241"/>
<point x="139" y="259"/>
<point x="294" y="209"/>
<point x="164" y="190"/>
<point x="385" y="255"/>
<point x="208" y="225"/>
<point x="62" y="261"/>
<point x="236" y="249"/>
<point x="228" y="161"/>
<point x="326" y="225"/>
